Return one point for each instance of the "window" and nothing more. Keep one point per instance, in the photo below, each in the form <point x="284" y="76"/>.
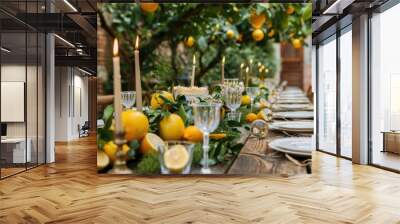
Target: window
<point x="327" y="96"/>
<point x="346" y="93"/>
<point x="385" y="88"/>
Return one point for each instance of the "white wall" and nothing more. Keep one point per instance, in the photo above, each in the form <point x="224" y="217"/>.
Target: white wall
<point x="71" y="102"/>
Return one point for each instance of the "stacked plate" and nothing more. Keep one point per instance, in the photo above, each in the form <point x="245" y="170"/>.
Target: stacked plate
<point x="293" y="101"/>
<point x="292" y="107"/>
<point x="295" y="146"/>
<point x="294" y="115"/>
<point x="293" y="126"/>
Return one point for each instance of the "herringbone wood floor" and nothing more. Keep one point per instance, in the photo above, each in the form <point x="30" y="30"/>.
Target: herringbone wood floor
<point x="70" y="191"/>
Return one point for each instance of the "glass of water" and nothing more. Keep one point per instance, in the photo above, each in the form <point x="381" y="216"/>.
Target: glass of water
<point x="252" y="92"/>
<point x="128" y="99"/>
<point x="206" y="118"/>
<point x="233" y="96"/>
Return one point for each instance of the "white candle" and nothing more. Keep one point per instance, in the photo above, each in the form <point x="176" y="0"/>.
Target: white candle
<point x="241" y="71"/>
<point x="247" y="76"/>
<point x="223" y="70"/>
<point x="117" y="88"/>
<point x="193" y="70"/>
<point x="138" y="82"/>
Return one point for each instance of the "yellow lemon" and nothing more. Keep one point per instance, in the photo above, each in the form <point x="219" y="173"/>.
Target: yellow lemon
<point x="239" y="38"/>
<point x="257" y="21"/>
<point x="290" y="9"/>
<point x="251" y="117"/>
<point x="157" y="102"/>
<point x="217" y="136"/>
<point x="102" y="160"/>
<point x="246" y="100"/>
<point x="297" y="43"/>
<point x="189" y="41"/>
<point x="258" y="35"/>
<point x="230" y="34"/>
<point x="150" y="143"/>
<point x="193" y="134"/>
<point x="149" y="7"/>
<point x="135" y="124"/>
<point x="271" y="33"/>
<point x="172" y="127"/>
<point x="176" y="158"/>
<point x="110" y="148"/>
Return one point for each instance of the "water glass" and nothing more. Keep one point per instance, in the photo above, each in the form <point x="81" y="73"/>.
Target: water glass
<point x="230" y="82"/>
<point x="176" y="157"/>
<point x="232" y="96"/>
<point x="128" y="99"/>
<point x="206" y="118"/>
<point x="252" y="92"/>
<point x="234" y="116"/>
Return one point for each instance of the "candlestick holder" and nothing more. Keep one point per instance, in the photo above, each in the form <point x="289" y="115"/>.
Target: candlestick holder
<point x="120" y="157"/>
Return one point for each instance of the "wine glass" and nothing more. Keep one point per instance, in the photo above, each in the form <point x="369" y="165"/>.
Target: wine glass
<point x="206" y="118"/>
<point x="252" y="92"/>
<point x="229" y="82"/>
<point x="232" y="97"/>
<point x="128" y="99"/>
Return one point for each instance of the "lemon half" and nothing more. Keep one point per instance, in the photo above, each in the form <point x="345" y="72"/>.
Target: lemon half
<point x="176" y="158"/>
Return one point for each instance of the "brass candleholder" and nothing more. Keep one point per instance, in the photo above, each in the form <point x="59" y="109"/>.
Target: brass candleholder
<point x="120" y="157"/>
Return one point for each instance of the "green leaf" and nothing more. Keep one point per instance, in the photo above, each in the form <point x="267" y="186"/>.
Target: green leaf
<point x="108" y="115"/>
<point x="307" y="12"/>
<point x="202" y="43"/>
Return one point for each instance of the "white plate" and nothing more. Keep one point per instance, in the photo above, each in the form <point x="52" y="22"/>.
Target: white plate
<point x="293" y="126"/>
<point x="293" y="145"/>
<point x="293" y="101"/>
<point x="294" y="114"/>
<point x="291" y="107"/>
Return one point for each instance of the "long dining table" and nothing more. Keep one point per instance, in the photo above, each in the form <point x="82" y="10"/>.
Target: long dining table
<point x="258" y="158"/>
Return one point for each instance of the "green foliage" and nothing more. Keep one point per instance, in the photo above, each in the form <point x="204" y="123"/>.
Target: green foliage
<point x="165" y="60"/>
<point x="149" y="164"/>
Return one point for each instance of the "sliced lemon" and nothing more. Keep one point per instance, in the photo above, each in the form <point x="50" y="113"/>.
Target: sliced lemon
<point x="150" y="143"/>
<point x="176" y="158"/>
<point x="102" y="160"/>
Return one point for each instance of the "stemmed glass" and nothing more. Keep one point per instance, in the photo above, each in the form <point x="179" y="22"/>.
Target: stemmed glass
<point x="128" y="99"/>
<point x="232" y="97"/>
<point x="252" y="92"/>
<point x="206" y="118"/>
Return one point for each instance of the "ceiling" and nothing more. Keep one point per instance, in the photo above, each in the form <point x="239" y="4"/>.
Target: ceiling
<point x="74" y="22"/>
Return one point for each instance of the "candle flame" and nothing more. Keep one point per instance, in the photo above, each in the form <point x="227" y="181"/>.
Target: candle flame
<point x="194" y="59"/>
<point x="115" y="49"/>
<point x="137" y="42"/>
<point x="247" y="69"/>
<point x="223" y="60"/>
<point x="251" y="61"/>
<point x="242" y="65"/>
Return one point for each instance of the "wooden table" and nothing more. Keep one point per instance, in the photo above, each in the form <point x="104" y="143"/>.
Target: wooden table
<point x="256" y="158"/>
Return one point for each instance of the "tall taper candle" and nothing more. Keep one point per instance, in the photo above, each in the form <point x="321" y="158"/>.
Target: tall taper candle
<point x="223" y="70"/>
<point x="193" y="71"/>
<point x="241" y="72"/>
<point x="247" y="76"/>
<point x="138" y="82"/>
<point x="117" y="88"/>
